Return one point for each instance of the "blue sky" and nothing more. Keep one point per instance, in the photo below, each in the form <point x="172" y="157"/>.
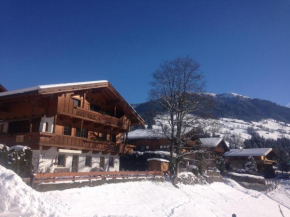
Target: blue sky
<point x="242" y="46"/>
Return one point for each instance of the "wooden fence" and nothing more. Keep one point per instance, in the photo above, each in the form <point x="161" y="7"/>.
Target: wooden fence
<point x="69" y="176"/>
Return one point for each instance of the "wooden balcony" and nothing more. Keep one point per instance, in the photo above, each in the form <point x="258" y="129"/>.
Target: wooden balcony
<point x="96" y="117"/>
<point x="33" y="140"/>
<point x="219" y="150"/>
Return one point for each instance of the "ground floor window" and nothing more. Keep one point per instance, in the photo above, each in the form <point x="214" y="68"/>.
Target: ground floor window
<point x="88" y="162"/>
<point x="61" y="160"/>
<point x="111" y="161"/>
<point x="102" y="163"/>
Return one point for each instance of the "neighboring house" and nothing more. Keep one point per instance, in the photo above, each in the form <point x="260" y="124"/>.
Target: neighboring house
<point x="151" y="140"/>
<point x="216" y="145"/>
<point x="69" y="127"/>
<point x="213" y="147"/>
<point x="148" y="140"/>
<point x="264" y="157"/>
<point x="2" y="89"/>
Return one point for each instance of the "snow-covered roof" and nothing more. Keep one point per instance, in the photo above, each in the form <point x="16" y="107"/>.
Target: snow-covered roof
<point x="18" y="148"/>
<point x="248" y="152"/>
<point x="158" y="159"/>
<point x="145" y="134"/>
<point x="211" y="142"/>
<point x="42" y="87"/>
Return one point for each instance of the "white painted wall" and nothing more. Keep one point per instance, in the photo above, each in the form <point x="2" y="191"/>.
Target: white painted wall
<point x="45" y="161"/>
<point x="5" y="127"/>
<point x="46" y="120"/>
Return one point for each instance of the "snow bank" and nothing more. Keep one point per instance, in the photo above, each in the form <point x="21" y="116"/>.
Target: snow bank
<point x="187" y="178"/>
<point x="247" y="178"/>
<point x="247" y="175"/>
<point x="18" y="199"/>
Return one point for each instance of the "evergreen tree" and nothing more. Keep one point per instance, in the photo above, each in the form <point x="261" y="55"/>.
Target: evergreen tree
<point x="220" y="164"/>
<point x="251" y="166"/>
<point x="282" y="160"/>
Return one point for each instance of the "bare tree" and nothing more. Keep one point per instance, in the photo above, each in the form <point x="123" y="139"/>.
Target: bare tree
<point x="175" y="86"/>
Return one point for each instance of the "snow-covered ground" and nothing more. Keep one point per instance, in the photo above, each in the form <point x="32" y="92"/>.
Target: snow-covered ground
<point x="282" y="193"/>
<point x="269" y="129"/>
<point x="227" y="127"/>
<point x="162" y="199"/>
<point x="144" y="198"/>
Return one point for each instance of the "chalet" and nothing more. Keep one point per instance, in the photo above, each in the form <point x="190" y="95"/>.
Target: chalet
<point x="216" y="145"/>
<point x="264" y="157"/>
<point x="148" y="140"/>
<point x="2" y="89"/>
<point x="69" y="127"/>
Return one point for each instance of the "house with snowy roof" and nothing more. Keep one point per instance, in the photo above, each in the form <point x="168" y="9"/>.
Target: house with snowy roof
<point x="148" y="140"/>
<point x="217" y="144"/>
<point x="264" y="157"/>
<point x="70" y="127"/>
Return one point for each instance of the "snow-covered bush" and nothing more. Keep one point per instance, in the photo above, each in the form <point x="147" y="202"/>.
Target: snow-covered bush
<point x="193" y="169"/>
<point x="220" y="164"/>
<point x="187" y="178"/>
<point x="251" y="166"/>
<point x="17" y="158"/>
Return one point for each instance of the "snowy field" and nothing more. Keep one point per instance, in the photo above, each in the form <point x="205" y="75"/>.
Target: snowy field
<point x="143" y="198"/>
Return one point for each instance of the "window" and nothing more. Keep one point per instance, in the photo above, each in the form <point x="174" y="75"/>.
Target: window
<point x="78" y="132"/>
<point x="61" y="160"/>
<point x="113" y="138"/>
<point x="1" y="128"/>
<point x="147" y="147"/>
<point x="84" y="133"/>
<point x="88" y="162"/>
<point x="94" y="108"/>
<point x="111" y="162"/>
<point x="102" y="163"/>
<point x="67" y="130"/>
<point x="104" y="136"/>
<point x="77" y="103"/>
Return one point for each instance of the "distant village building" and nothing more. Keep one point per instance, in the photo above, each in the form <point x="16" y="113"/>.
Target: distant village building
<point x="216" y="145"/>
<point x="264" y="157"/>
<point x="150" y="140"/>
<point x="70" y="127"/>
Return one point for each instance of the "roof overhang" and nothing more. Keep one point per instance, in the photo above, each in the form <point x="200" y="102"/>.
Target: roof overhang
<point x="69" y="87"/>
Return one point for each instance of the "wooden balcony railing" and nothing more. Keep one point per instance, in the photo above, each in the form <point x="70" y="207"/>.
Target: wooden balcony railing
<point x="68" y="176"/>
<point x="97" y="117"/>
<point x="55" y="140"/>
<point x="219" y="150"/>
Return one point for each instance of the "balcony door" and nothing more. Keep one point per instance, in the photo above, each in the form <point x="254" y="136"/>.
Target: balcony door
<point x="75" y="163"/>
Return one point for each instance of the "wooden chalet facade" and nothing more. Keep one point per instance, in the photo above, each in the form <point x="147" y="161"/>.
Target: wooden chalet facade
<point x="264" y="157"/>
<point x="148" y="140"/>
<point x="152" y="141"/>
<point x="70" y="127"/>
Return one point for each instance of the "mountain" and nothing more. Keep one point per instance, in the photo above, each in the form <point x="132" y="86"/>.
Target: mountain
<point x="228" y="105"/>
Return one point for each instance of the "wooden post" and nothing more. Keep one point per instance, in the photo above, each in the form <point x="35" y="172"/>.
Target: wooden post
<point x="82" y="123"/>
<point x="54" y="123"/>
<point x="84" y="97"/>
<point x="115" y="111"/>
